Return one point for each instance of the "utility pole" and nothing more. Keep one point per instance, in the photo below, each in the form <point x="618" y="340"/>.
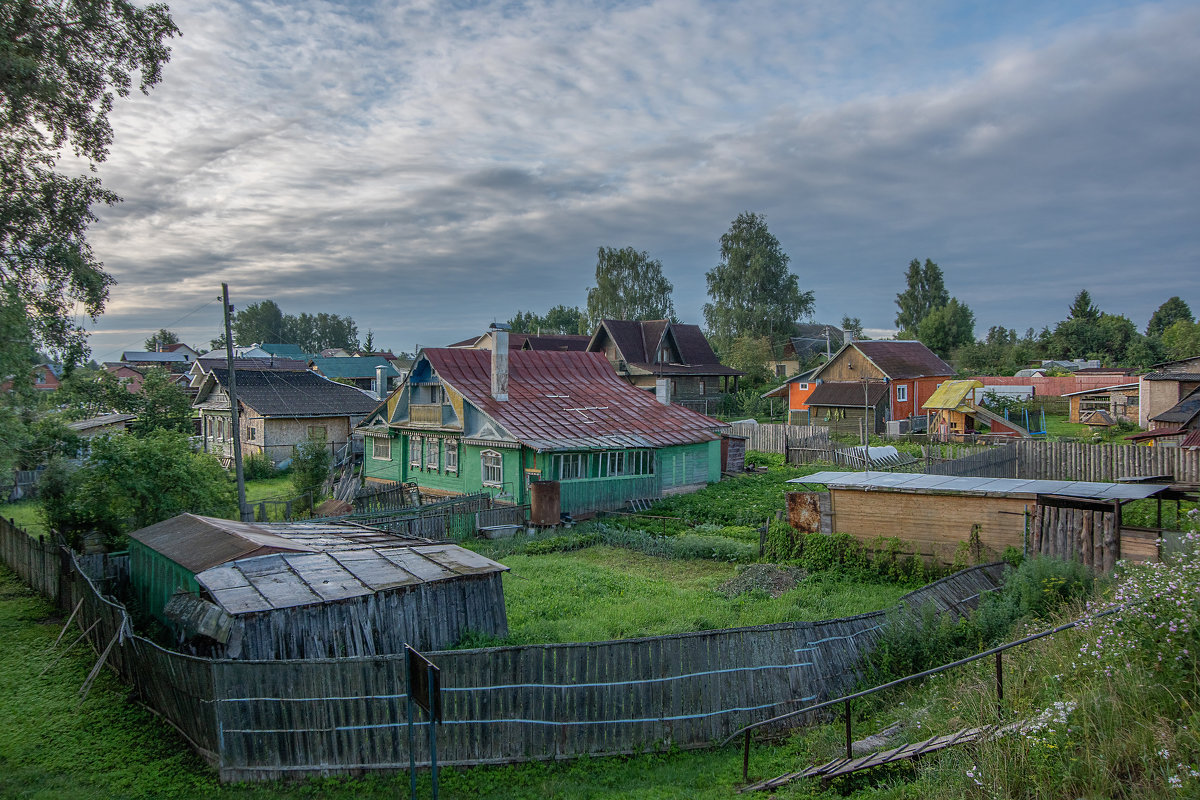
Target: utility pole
<point x="233" y="407"/>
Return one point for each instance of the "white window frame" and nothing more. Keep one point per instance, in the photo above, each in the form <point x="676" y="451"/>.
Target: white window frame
<point x="381" y="448"/>
<point x="451" y="459"/>
<point x="571" y="466"/>
<point x="491" y="468"/>
<point x="902" y="393"/>
<point x="432" y="453"/>
<point x="414" y="452"/>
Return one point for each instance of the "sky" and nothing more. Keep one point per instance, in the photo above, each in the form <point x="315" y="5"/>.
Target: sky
<point x="430" y="167"/>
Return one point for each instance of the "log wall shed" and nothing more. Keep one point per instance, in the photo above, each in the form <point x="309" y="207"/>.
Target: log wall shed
<point x="305" y="590"/>
<point x="1076" y="520"/>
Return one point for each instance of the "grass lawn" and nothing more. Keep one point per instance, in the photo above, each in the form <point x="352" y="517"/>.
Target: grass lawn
<point x="611" y="593"/>
<point x="51" y="746"/>
<point x="27" y="514"/>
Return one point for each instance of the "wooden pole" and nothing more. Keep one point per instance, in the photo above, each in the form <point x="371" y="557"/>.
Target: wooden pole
<point x="233" y="407"/>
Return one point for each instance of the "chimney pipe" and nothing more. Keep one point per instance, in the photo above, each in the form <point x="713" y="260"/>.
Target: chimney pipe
<point x="499" y="361"/>
<point x="662" y="390"/>
<point x="380" y="382"/>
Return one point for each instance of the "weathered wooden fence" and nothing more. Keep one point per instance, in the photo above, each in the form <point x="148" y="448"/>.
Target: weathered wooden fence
<point x="966" y="461"/>
<point x="1074" y="461"/>
<point x="1104" y="462"/>
<point x="772" y="438"/>
<point x="260" y="720"/>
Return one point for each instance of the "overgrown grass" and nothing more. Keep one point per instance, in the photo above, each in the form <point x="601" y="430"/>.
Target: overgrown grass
<point x="53" y="747"/>
<point x="611" y="593"/>
<point x="27" y="514"/>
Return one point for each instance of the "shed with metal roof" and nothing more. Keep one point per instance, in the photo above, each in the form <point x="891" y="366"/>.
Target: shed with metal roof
<point x="310" y="590"/>
<point x="939" y="514"/>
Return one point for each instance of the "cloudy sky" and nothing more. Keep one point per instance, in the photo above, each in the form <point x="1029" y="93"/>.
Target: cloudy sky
<point x="427" y="167"/>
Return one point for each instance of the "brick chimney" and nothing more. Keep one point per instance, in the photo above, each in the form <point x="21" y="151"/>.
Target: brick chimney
<point x="499" y="333"/>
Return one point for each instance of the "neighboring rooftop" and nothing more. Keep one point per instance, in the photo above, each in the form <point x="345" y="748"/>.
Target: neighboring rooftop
<point x="569" y="401"/>
<point x="948" y="484"/>
<point x="350" y="367"/>
<point x="903" y="360"/>
<point x="278" y="393"/>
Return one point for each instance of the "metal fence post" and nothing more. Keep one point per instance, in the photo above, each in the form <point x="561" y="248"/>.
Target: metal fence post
<point x="849" y="752"/>
<point x="999" y="684"/>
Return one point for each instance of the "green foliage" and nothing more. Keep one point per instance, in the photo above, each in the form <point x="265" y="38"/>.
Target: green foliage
<point x="1083" y="308"/>
<point x="60" y="67"/>
<point x="1001" y="352"/>
<point x="265" y="323"/>
<point x="561" y="544"/>
<point x="750" y="355"/>
<point x="841" y="554"/>
<point x="926" y="291"/>
<point x="129" y="482"/>
<point x="1172" y="311"/>
<point x="918" y="639"/>
<point x="257" y="466"/>
<point x="559" y="319"/>
<point x="629" y="285"/>
<point x="310" y="465"/>
<point x="162" y="338"/>
<point x="162" y="404"/>
<point x="1182" y="339"/>
<point x="752" y="292"/>
<point x="853" y="326"/>
<point x="947" y="328"/>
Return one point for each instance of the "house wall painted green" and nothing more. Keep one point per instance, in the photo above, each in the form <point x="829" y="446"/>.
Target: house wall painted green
<point x="676" y="469"/>
<point x="156" y="579"/>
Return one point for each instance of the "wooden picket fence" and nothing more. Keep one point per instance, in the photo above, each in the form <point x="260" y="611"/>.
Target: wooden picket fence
<point x="260" y="720"/>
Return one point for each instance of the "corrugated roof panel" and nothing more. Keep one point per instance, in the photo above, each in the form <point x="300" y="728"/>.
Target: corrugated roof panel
<point x="375" y="571"/>
<point x="973" y="485"/>
<point x="241" y="600"/>
<point x="412" y="561"/>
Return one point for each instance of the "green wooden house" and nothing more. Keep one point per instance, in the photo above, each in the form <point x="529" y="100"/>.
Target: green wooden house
<point x="495" y="421"/>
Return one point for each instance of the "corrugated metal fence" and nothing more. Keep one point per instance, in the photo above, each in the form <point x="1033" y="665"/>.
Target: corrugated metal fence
<point x="269" y="719"/>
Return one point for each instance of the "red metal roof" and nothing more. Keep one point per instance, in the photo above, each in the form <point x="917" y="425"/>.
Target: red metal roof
<point x="565" y="400"/>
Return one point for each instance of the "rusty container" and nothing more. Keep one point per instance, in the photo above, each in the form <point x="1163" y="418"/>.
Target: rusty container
<point x="545" y="506"/>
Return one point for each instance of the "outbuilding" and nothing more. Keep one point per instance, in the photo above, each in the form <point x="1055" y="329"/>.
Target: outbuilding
<point x="934" y="514"/>
<point x="310" y="590"/>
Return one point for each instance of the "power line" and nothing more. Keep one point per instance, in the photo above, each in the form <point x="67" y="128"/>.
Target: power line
<point x="167" y="326"/>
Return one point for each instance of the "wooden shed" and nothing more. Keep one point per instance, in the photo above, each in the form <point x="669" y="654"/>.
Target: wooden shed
<point x="309" y="590"/>
<point x="1076" y="520"/>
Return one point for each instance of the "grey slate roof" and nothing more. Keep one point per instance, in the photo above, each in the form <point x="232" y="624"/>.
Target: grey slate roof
<point x="299" y="393"/>
<point x="1183" y="412"/>
<point x="287" y="580"/>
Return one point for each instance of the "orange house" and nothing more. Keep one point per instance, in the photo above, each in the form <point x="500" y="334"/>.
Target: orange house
<point x="911" y="371"/>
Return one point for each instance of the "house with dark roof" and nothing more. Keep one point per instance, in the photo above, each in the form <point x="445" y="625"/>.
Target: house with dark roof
<point x="528" y="341"/>
<point x="496" y="421"/>
<point x="648" y="352"/>
<point x="1178" y="426"/>
<point x="277" y="410"/>
<point x="908" y="370"/>
<point x="808" y="339"/>
<point x="369" y="373"/>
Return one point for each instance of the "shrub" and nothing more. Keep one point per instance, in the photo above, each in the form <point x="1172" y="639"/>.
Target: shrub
<point x="310" y="465"/>
<point x="257" y="466"/>
<point x="918" y="639"/>
<point x="1155" y="623"/>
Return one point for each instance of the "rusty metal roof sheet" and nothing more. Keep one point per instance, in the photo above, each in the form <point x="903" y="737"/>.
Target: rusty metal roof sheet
<point x="570" y="401"/>
<point x="288" y="580"/>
